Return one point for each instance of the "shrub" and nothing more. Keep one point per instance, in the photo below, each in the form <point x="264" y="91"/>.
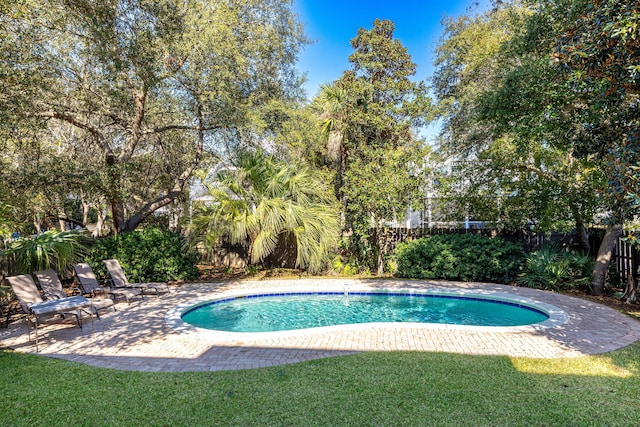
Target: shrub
<point x="554" y="269"/>
<point x="466" y="257"/>
<point x="150" y="254"/>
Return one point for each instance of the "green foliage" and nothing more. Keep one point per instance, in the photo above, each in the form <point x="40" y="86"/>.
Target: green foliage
<point x="375" y="107"/>
<point x="555" y="269"/>
<point x="467" y="257"/>
<point x="252" y="270"/>
<point x="126" y="95"/>
<point x="6" y="296"/>
<point x="293" y="128"/>
<point x="513" y="120"/>
<point x="356" y="254"/>
<point x="598" y="53"/>
<point x="6" y="220"/>
<point x="603" y="45"/>
<point x="349" y="266"/>
<point x="265" y="201"/>
<point x="51" y="249"/>
<point x="150" y="254"/>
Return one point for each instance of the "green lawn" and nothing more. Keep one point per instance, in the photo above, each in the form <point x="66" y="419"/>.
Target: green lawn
<point x="372" y="389"/>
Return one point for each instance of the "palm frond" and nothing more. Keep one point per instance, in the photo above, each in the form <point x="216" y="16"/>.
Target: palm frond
<point x="262" y="200"/>
<point x="51" y="249"/>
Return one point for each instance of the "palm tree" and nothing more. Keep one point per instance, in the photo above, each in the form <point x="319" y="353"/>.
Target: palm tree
<point x="264" y="201"/>
<point x="332" y="106"/>
<point x="51" y="249"/>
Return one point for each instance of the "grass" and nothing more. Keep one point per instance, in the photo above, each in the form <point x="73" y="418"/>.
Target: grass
<point x="372" y="389"/>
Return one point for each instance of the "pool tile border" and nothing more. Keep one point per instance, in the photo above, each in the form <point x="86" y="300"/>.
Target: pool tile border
<point x="173" y="318"/>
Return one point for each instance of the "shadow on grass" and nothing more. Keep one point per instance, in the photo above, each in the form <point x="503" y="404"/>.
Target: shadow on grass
<point x="394" y="388"/>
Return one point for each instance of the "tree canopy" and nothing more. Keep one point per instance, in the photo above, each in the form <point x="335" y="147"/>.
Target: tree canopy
<point x="129" y="96"/>
<point x="549" y="114"/>
<point x="381" y="108"/>
<point x="598" y="52"/>
<point x="509" y="113"/>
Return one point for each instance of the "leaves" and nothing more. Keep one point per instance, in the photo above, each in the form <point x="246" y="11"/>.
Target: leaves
<point x="514" y="122"/>
<point x="134" y="92"/>
<point x="150" y="254"/>
<point x="555" y="269"/>
<point x="466" y="257"/>
<point x="51" y="249"/>
<point x="373" y="111"/>
<point x="266" y="201"/>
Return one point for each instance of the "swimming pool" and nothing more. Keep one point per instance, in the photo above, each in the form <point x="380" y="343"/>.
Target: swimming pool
<point x="304" y="310"/>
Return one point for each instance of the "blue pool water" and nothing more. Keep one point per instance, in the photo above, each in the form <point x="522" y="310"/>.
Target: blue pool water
<point x="289" y="311"/>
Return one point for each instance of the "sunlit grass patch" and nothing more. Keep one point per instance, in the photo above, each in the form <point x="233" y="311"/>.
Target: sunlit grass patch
<point x="599" y="366"/>
<point x="375" y="388"/>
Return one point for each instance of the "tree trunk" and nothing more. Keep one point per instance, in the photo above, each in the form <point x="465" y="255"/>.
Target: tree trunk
<point x="380" y="240"/>
<point x="117" y="212"/>
<point x="36" y="224"/>
<point x="102" y="215"/>
<point x="583" y="236"/>
<point x="605" y="252"/>
<point x="631" y="293"/>
<point x="114" y="199"/>
<point x="85" y="211"/>
<point x="62" y="224"/>
<point x="341" y="184"/>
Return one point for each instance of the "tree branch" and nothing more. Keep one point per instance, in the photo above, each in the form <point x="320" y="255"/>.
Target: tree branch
<point x="74" y="121"/>
<point x="180" y="127"/>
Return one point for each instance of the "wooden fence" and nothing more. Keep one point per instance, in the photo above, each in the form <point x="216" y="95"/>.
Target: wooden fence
<point x="627" y="259"/>
<point x="530" y="240"/>
<point x="285" y="253"/>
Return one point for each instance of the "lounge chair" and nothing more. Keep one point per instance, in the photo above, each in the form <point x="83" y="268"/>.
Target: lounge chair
<point x="90" y="286"/>
<point x="52" y="288"/>
<point x="36" y="309"/>
<point x="119" y="280"/>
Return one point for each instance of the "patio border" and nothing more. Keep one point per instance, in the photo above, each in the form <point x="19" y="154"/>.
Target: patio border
<point x="136" y="337"/>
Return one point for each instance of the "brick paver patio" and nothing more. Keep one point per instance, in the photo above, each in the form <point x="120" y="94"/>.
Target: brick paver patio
<point x="137" y="336"/>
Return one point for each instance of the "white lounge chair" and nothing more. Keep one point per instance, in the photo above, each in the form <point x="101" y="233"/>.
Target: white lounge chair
<point x="90" y="286"/>
<point x="119" y="280"/>
<point x="36" y="309"/>
<point x="52" y="288"/>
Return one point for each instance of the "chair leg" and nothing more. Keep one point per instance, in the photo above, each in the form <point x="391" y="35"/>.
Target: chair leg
<point x="26" y="317"/>
<point x="91" y="326"/>
<point x="36" y="324"/>
<point x="78" y="318"/>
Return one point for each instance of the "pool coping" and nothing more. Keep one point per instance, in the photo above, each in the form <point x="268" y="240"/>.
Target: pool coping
<point x="173" y="318"/>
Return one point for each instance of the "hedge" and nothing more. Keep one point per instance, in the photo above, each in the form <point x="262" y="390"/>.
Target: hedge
<point x="150" y="254"/>
<point x="465" y="257"/>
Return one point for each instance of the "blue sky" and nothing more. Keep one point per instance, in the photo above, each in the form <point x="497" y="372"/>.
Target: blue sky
<point x="331" y="24"/>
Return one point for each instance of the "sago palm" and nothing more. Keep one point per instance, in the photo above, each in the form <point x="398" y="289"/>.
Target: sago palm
<point x="262" y="201"/>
